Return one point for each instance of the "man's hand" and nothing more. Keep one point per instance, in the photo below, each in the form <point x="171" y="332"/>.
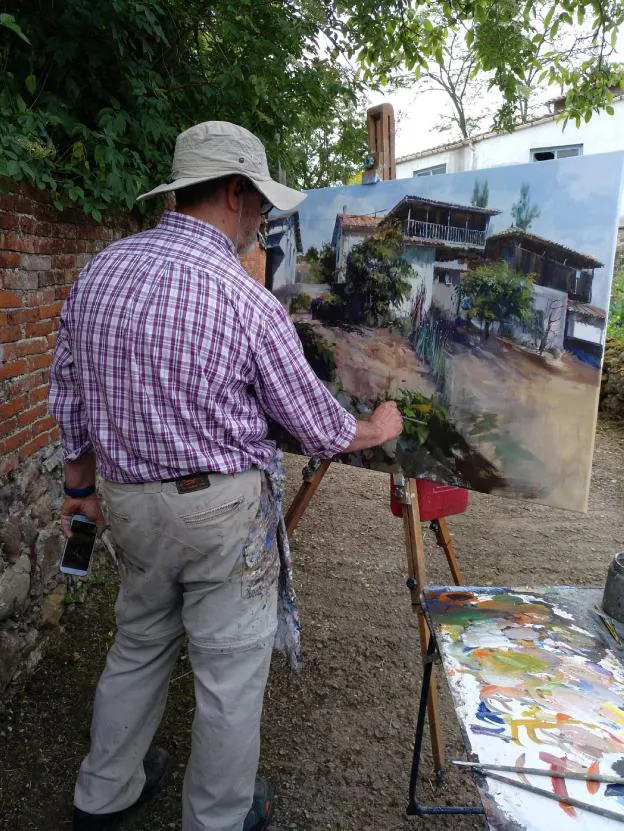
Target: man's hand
<point x="89" y="506"/>
<point x="388" y="420"/>
<point x="384" y="424"/>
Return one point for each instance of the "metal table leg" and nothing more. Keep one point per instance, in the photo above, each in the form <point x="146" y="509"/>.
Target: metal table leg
<point x="414" y="807"/>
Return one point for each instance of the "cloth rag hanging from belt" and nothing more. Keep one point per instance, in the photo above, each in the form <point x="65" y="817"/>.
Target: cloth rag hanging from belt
<point x="270" y="522"/>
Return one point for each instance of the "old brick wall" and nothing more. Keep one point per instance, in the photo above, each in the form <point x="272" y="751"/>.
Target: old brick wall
<point x="42" y="251"/>
<point x="255" y="263"/>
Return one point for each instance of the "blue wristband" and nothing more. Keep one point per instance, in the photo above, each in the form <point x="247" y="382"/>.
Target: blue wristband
<point x="78" y="493"/>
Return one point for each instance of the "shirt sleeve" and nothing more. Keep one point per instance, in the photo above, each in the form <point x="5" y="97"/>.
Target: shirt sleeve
<point x="292" y="394"/>
<point x="64" y="401"/>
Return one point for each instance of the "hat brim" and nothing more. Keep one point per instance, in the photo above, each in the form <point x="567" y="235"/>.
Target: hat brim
<point x="280" y="196"/>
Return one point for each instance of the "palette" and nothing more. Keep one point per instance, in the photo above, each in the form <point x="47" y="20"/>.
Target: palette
<point x="537" y="681"/>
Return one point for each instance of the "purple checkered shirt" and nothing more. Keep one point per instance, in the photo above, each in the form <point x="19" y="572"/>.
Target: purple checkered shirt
<point x="170" y="354"/>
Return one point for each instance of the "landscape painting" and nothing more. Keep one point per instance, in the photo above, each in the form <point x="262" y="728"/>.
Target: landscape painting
<point x="478" y="301"/>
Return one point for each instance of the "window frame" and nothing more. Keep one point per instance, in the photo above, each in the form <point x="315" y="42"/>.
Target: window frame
<point x="433" y="170"/>
<point x="556" y="148"/>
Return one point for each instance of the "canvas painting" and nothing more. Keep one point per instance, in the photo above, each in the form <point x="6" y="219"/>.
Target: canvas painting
<point x="537" y="682"/>
<point x="478" y="301"/>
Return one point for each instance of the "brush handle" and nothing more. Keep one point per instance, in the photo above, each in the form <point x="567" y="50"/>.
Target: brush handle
<point x="556" y="774"/>
<point x="567" y="800"/>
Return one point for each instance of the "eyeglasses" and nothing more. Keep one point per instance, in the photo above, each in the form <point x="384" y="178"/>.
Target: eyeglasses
<point x="266" y="208"/>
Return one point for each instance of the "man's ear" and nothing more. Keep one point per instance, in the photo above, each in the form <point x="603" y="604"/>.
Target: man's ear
<point x="234" y="193"/>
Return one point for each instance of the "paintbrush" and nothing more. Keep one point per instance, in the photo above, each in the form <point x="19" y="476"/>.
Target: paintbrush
<point x="557" y="774"/>
<point x="608" y="625"/>
<point x="567" y="800"/>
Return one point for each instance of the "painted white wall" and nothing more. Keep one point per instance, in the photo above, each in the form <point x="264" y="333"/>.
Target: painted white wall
<point x="589" y="332"/>
<point x="445" y="300"/>
<point x="421" y="259"/>
<point x="603" y="134"/>
<point x="345" y="242"/>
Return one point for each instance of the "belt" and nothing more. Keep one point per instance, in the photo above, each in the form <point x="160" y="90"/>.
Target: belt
<point x="190" y="482"/>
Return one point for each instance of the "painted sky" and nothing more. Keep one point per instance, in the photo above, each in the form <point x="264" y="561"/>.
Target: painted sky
<point x="578" y="198"/>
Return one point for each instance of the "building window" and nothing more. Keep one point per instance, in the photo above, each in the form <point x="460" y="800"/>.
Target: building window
<point x="436" y="170"/>
<point x="546" y="154"/>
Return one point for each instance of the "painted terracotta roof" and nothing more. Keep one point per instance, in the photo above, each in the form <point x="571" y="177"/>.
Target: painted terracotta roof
<point x="585" y="260"/>
<point x="357" y="220"/>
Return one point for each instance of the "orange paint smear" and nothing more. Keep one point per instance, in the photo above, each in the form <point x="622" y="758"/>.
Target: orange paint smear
<point x="593" y="770"/>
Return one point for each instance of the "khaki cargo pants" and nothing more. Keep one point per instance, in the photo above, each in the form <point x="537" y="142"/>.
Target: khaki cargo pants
<point x="204" y="565"/>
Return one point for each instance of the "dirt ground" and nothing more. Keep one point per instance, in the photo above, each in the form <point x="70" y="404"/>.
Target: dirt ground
<point x="337" y="738"/>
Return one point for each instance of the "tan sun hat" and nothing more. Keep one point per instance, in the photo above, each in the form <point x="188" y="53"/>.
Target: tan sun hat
<point x="217" y="148"/>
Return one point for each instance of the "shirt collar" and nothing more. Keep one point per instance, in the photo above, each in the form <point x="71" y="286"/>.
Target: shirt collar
<point x="203" y="232"/>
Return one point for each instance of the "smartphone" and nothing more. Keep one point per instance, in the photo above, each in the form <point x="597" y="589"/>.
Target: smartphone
<point x="79" y="546"/>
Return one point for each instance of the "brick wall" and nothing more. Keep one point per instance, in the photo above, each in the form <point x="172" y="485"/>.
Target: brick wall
<point x="42" y="251"/>
<point x="255" y="263"/>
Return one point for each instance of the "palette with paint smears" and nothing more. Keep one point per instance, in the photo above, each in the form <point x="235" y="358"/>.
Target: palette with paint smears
<point x="538" y="682"/>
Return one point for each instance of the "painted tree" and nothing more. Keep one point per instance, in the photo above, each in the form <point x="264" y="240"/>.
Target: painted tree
<point x="480" y="194"/>
<point x="523" y="211"/>
<point x="553" y="317"/>
<point x="495" y="293"/>
<point x="377" y="276"/>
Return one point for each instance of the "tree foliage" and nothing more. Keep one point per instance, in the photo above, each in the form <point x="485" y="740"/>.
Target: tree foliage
<point x="615" y="328"/>
<point x="494" y="293"/>
<point x="92" y="95"/>
<point x="376" y="277"/>
<point x="523" y="211"/>
<point x="480" y="194"/>
<point x="560" y="51"/>
<point x="506" y="38"/>
<point x="322" y="264"/>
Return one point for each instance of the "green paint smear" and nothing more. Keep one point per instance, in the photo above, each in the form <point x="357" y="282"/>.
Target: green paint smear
<point x="506" y="662"/>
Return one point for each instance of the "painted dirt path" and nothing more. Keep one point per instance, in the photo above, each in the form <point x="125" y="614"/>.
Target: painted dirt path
<point x="547" y="412"/>
<point x="336" y="740"/>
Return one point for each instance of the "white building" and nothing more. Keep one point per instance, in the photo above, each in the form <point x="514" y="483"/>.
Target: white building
<point x="540" y="139"/>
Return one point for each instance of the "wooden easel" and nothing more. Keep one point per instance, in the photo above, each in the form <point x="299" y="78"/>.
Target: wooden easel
<point x="405" y="491"/>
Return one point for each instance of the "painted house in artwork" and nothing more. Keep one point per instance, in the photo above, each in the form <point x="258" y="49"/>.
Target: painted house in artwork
<point x="560" y="272"/>
<point x="440" y="238"/>
<point x="350" y="230"/>
<point x="283" y="245"/>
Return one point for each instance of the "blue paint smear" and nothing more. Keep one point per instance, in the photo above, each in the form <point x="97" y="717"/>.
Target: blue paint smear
<point x="497" y="732"/>
<point x="485" y="714"/>
<point x="617" y="791"/>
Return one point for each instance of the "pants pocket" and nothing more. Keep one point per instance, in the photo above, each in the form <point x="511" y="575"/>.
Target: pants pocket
<point x="260" y="552"/>
<point x="207" y="515"/>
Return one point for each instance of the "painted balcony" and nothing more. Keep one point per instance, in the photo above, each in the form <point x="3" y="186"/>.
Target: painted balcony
<point x="451" y="234"/>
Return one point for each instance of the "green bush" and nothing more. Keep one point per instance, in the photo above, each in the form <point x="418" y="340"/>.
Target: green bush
<point x="300" y="303"/>
<point x="615" y="328"/>
<point x="318" y="352"/>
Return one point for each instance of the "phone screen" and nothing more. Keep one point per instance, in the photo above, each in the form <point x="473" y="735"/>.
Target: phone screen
<point x="79" y="545"/>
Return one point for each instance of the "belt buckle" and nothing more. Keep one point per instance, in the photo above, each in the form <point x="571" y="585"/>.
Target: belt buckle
<point x="193" y="482"/>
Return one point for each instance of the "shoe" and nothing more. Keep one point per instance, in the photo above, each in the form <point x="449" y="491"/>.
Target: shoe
<point x="156" y="766"/>
<point x="261" y="811"/>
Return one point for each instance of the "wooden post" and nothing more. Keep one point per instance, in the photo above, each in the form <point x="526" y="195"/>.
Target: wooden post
<point x="313" y="475"/>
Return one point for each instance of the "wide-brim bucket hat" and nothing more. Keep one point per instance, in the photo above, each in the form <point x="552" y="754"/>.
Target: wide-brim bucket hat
<point x="214" y="149"/>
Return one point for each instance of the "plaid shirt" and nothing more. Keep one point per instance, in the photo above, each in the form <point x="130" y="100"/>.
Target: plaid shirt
<point x="169" y="355"/>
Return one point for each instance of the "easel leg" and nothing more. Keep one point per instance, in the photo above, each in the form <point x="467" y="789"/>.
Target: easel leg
<point x="312" y="474"/>
<point x="443" y="538"/>
<point x="416" y="582"/>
